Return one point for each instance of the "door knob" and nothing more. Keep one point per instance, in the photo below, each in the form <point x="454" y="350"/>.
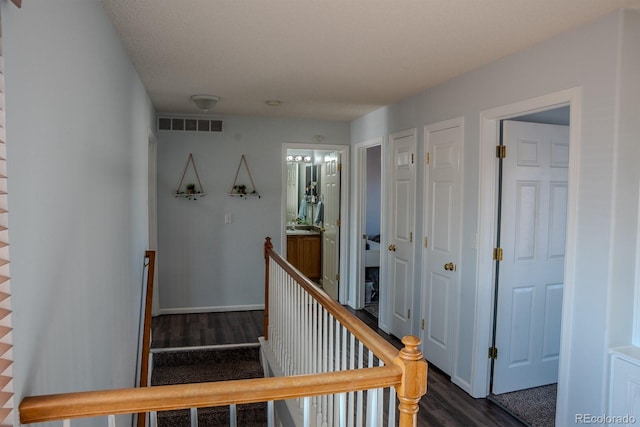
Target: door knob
<point x="392" y="248"/>
<point x="450" y="266"/>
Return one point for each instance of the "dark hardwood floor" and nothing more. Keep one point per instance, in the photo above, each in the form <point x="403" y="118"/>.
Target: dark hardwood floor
<point x="445" y="404"/>
<point x="206" y="329"/>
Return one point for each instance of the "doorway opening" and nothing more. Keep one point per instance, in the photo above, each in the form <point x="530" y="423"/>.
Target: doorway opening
<point x="531" y="229"/>
<point x="314" y="214"/>
<point x="372" y="227"/>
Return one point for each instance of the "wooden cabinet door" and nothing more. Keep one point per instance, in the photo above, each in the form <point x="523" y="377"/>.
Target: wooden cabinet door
<point x="309" y="252"/>
<point x="292" y="250"/>
<point x="303" y="252"/>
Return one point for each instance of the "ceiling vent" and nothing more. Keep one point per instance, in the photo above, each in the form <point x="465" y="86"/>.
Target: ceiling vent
<point x="189" y="125"/>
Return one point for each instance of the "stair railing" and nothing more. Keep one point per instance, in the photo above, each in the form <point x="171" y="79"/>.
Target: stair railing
<point x="404" y="371"/>
<point x="306" y="332"/>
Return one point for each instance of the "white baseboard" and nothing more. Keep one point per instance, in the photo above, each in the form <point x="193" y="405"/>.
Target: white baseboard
<point x="193" y="310"/>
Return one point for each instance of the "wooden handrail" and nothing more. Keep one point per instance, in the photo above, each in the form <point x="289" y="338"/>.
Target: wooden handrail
<point x="374" y="342"/>
<point x="268" y="250"/>
<point x="146" y="332"/>
<point x="201" y="395"/>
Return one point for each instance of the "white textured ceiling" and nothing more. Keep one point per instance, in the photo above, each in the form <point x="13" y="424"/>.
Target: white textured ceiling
<point x="326" y="59"/>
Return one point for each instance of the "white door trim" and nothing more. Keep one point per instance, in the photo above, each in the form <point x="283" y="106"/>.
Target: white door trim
<point x="489" y="121"/>
<point x="344" y="206"/>
<point x="356" y="296"/>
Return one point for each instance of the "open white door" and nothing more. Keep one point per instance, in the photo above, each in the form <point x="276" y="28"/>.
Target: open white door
<point x="331" y="234"/>
<point x="532" y="239"/>
<point x="441" y="248"/>
<point x="401" y="230"/>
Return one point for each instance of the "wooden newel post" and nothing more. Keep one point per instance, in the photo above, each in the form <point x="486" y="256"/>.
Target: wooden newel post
<point x="268" y="246"/>
<point x="414" y="381"/>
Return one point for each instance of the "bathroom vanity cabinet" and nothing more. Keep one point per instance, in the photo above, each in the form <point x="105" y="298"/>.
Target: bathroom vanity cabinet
<point x="304" y="252"/>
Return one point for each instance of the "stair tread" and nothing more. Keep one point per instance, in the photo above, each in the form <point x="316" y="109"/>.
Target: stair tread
<point x="191" y="357"/>
<point x="206" y="372"/>
<point x="249" y="415"/>
<point x="193" y="366"/>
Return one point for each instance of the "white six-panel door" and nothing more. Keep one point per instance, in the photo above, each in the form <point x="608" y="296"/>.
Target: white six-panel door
<point x="441" y="244"/>
<point x="401" y="230"/>
<point x="330" y="236"/>
<point x="532" y="237"/>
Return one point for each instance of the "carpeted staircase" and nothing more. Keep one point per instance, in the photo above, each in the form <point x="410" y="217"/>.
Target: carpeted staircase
<point x="192" y="366"/>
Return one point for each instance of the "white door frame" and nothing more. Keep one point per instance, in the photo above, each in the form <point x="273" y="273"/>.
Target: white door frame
<point x="485" y="278"/>
<point x="356" y="276"/>
<point x="344" y="207"/>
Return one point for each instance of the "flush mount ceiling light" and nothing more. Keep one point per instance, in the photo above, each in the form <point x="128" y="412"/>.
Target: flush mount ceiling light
<point x="205" y="102"/>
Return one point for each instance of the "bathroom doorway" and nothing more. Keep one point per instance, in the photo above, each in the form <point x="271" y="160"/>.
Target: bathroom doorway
<point x="367" y="258"/>
<point x="314" y="215"/>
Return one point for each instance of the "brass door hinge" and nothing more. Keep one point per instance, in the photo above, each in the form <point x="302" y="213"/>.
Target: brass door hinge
<point x="493" y="353"/>
<point x="339" y="167"/>
<point x="497" y="254"/>
<point x="409" y="314"/>
<point x="422" y="325"/>
<point x="428" y="158"/>
<point x="501" y="151"/>
<point x="411" y="158"/>
<point x="337" y="277"/>
<point x="411" y="237"/>
<point x="426" y="242"/>
<point x="338" y="222"/>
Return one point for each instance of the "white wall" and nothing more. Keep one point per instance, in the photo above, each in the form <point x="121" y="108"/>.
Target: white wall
<point x="77" y="129"/>
<point x="627" y="177"/>
<point x="586" y="57"/>
<point x="206" y="264"/>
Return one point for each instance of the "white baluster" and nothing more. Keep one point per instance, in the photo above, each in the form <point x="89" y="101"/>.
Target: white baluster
<point x="66" y="423"/>
<point x="359" y="403"/>
<point x="352" y="365"/>
<point x="343" y="410"/>
<point x="392" y="406"/>
<point x="297" y="325"/>
<point x="286" y="327"/>
<point x="332" y="357"/>
<point x="153" y="419"/>
<point x="372" y="407"/>
<point x="194" y="417"/>
<point x="111" y="420"/>
<point x="315" y="349"/>
<point x="380" y="415"/>
<point x="233" y="415"/>
<point x="306" y="412"/>
<point x="307" y="333"/>
<point x="271" y="419"/>
<point x="325" y="361"/>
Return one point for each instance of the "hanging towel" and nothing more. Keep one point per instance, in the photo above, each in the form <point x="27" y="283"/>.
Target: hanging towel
<point x="302" y="213"/>
<point x="319" y="214"/>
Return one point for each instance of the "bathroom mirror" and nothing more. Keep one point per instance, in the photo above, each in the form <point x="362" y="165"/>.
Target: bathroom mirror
<point x="312" y="184"/>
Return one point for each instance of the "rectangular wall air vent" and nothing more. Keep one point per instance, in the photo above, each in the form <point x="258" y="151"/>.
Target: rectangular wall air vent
<point x="191" y="125"/>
